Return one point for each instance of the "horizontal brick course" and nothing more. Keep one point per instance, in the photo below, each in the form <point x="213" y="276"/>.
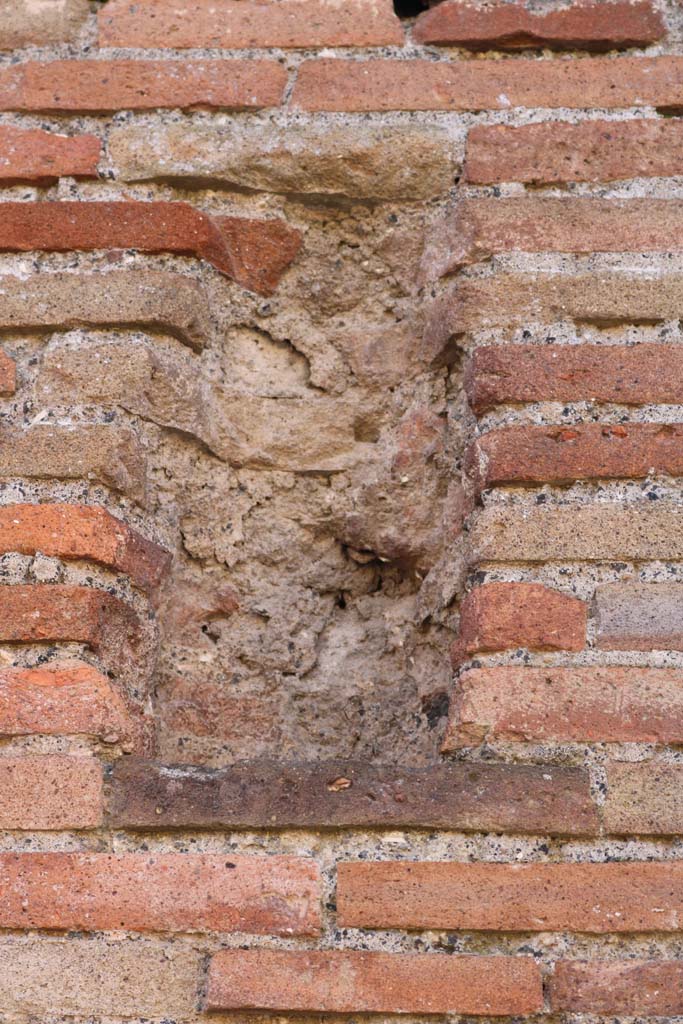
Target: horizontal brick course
<point x="41" y="158"/>
<point x="106" y="86"/>
<point x="555" y="152"/>
<point x="644" y="799"/>
<point x="227" y="24"/>
<point x="643" y="987"/>
<point x="590" y="898"/>
<point x="25" y="23"/>
<point x="50" y="792"/>
<point x="596" y="704"/>
<point x="160" y="892"/>
<point x="576" y="533"/>
<point x="498" y="616"/>
<point x="581" y="451"/>
<point x="343" y="794"/>
<point x="382" y="84"/>
<point x="39" y="613"/>
<point x="596" y="25"/>
<point x="83" y="532"/>
<point x="639" y="616"/>
<point x="254" y="253"/>
<point x="150" y="299"/>
<point x="629" y="375"/>
<point x="357" y="982"/>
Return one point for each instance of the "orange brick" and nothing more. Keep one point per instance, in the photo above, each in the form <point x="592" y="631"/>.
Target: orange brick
<point x="592" y="898"/>
<point x="39" y="613"/>
<point x="586" y="25"/>
<point x="226" y="24"/>
<point x="497" y="616"/>
<point x="645" y="988"/>
<point x="106" y="86"/>
<point x="41" y="158"/>
<point x="53" y="791"/>
<point x="254" y="253"/>
<point x="8" y="374"/>
<point x="166" y="892"/>
<point x="356" y="982"/>
<point x="603" y="82"/>
<point x="83" y="532"/>
<point x="596" y="704"/>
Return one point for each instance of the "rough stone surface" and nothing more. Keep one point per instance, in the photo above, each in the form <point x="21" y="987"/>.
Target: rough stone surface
<point x="632" y="616"/>
<point x="644" y="799"/>
<point x="35" y="23"/>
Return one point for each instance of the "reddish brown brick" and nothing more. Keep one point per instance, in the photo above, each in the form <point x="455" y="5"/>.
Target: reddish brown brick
<point x="645" y="988"/>
<point x="555" y="152"/>
<point x="480" y="228"/>
<point x="254" y="253"/>
<point x="49" y="792"/>
<point x="587" y="25"/>
<point x="166" y="892"/>
<point x="586" y="704"/>
<point x="584" y="451"/>
<point x="337" y="981"/>
<point x="226" y="24"/>
<point x="644" y="798"/>
<point x="603" y="82"/>
<point x="592" y="898"/>
<point x="497" y="616"/>
<point x="626" y="374"/>
<point x="105" y="86"/>
<point x="8" y="374"/>
<point x="41" y="158"/>
<point x="67" y="699"/>
<point x="639" y="616"/>
<point x="348" y="794"/>
<point x="83" y="532"/>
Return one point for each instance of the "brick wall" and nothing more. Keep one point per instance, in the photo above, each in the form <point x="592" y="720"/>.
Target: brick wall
<point x="341" y="548"/>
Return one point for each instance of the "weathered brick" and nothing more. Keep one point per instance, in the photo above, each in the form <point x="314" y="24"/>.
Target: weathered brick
<point x="67" y="699"/>
<point x="556" y="152"/>
<point x="577" y="533"/>
<point x="50" y="792"/>
<point x="645" y="798"/>
<point x="639" y="616"/>
<point x="83" y="532"/>
<point x="627" y="374"/>
<point x="79" y="978"/>
<point x="581" y="451"/>
<point x="150" y="299"/>
<point x="359" y="161"/>
<point x="480" y="228"/>
<point x="341" y="981"/>
<point x="148" y="892"/>
<point x="106" y="86"/>
<point x="497" y="616"/>
<point x="384" y="84"/>
<point x="593" y="898"/>
<point x="27" y="23"/>
<point x="344" y="794"/>
<point x="8" y="374"/>
<point x="645" y="988"/>
<point x="589" y="25"/>
<point x="255" y="253"/>
<point x="596" y="704"/>
<point x="226" y="24"/>
<point x="109" y="454"/>
<point x="41" y="158"/>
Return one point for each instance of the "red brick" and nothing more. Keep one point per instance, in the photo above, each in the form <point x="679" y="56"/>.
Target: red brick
<point x="226" y="24"/>
<point x="583" y="451"/>
<point x="589" y="25"/>
<point x="480" y="228"/>
<point x="83" y="532"/>
<point x="8" y="374"/>
<point x="555" y="152"/>
<point x="166" y="892"/>
<point x="50" y="792"/>
<point x="497" y="616"/>
<point x="586" y="704"/>
<point x="603" y="82"/>
<point x="645" y="988"/>
<point x="41" y="158"/>
<point x="105" y="86"/>
<point x="254" y="253"/>
<point x="337" y="981"/>
<point x="626" y="374"/>
<point x="592" y="898"/>
<point x="67" y="699"/>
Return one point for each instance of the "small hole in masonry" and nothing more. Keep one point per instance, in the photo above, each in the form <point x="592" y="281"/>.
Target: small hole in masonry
<point x="409" y="8"/>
